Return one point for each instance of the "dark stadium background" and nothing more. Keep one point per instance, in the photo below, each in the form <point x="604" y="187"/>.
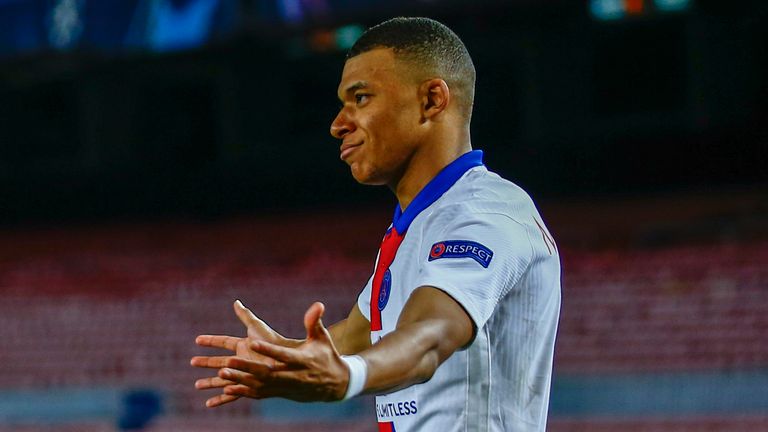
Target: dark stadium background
<point x="160" y="158"/>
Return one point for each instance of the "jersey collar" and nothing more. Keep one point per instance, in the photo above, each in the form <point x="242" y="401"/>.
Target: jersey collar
<point x="435" y="189"/>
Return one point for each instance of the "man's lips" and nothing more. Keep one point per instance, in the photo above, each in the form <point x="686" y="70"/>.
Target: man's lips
<point x="347" y="149"/>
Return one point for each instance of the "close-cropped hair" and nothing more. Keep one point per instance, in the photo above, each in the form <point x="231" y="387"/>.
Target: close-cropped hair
<point x="429" y="46"/>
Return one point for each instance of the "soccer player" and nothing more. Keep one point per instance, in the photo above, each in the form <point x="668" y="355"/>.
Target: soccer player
<point x="455" y="330"/>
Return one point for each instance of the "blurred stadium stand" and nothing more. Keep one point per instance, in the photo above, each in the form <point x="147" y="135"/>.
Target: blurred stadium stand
<point x="161" y="158"/>
<point x="664" y="337"/>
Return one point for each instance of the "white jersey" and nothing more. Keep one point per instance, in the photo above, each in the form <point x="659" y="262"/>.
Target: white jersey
<point x="480" y="239"/>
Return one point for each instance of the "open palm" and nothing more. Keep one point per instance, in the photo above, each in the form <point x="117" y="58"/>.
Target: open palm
<point x="257" y="330"/>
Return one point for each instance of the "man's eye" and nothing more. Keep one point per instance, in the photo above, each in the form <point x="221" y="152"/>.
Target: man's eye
<point x="360" y="98"/>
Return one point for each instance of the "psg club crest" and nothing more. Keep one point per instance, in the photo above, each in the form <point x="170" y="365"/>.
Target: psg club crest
<point x="386" y="286"/>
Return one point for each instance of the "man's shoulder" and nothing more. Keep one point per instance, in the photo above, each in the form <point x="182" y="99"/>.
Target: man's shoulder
<point x="481" y="191"/>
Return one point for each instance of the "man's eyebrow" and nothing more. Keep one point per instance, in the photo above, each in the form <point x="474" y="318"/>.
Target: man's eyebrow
<point x="354" y="87"/>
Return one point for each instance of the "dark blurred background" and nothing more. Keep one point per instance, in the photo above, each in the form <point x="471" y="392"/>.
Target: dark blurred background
<point x="160" y="158"/>
<point x="208" y="108"/>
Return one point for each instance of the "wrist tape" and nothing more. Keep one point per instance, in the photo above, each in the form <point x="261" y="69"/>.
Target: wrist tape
<point x="358" y="373"/>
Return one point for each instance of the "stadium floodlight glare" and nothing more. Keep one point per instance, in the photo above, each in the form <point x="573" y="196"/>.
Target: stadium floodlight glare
<point x="347" y="36"/>
<point x="65" y="23"/>
<point x="607" y="10"/>
<point x="614" y="10"/>
<point x="672" y="5"/>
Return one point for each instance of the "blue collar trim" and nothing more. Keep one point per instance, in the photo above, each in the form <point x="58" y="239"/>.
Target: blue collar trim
<point x="435" y="189"/>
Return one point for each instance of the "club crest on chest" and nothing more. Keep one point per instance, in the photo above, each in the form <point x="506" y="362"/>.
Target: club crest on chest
<point x="386" y="287"/>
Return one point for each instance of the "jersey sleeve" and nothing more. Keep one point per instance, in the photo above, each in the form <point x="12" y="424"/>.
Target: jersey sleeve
<point x="476" y="258"/>
<point x="364" y="299"/>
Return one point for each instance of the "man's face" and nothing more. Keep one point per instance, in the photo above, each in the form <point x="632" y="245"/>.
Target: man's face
<point x="379" y="119"/>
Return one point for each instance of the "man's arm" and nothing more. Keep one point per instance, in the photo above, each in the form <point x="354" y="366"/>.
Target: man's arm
<point x="353" y="334"/>
<point x="431" y="327"/>
<point x="350" y="336"/>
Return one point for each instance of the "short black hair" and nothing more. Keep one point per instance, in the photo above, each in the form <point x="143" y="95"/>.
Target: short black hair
<point x="431" y="46"/>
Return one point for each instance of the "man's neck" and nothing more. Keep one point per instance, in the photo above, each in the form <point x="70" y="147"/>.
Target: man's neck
<point x="422" y="168"/>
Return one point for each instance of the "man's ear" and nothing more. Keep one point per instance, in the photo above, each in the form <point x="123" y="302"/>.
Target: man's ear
<point x="435" y="97"/>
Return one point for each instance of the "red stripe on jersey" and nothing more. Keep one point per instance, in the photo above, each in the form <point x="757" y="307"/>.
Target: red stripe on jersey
<point x="387" y="427"/>
<point x="387" y="253"/>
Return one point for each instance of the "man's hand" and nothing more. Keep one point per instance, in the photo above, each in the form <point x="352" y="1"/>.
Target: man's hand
<point x="312" y="371"/>
<point x="431" y="327"/>
<point x="258" y="331"/>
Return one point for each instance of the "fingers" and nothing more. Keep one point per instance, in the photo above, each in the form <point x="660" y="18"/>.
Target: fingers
<point x="216" y="341"/>
<point x="248" y="366"/>
<point x="242" y="384"/>
<point x="313" y="322"/>
<point x="244" y="314"/>
<point x="212" y="383"/>
<point x="241" y="391"/>
<point x="245" y="391"/>
<point x="247" y="385"/>
<point x="282" y="355"/>
<point x="216" y="362"/>
<point x="242" y="379"/>
<point x="220" y="400"/>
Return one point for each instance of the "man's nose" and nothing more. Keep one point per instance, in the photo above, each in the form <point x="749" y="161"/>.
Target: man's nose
<point x="341" y="125"/>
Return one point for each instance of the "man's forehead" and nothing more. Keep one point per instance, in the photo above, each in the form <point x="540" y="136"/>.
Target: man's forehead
<point x="368" y="67"/>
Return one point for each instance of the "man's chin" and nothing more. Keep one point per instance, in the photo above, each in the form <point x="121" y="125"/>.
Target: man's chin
<point x="365" y="177"/>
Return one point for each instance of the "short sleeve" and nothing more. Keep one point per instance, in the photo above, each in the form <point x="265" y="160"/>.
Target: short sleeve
<point x="364" y="299"/>
<point x="476" y="258"/>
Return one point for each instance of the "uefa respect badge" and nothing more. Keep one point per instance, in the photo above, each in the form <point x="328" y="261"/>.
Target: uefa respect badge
<point x="461" y="249"/>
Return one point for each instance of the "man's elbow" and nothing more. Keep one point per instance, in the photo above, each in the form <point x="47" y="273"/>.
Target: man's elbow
<point x="427" y="366"/>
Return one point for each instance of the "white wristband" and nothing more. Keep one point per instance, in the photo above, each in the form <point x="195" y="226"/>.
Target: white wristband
<point x="358" y="374"/>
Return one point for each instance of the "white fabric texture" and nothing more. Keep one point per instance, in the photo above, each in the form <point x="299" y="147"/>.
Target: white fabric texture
<point x="501" y="381"/>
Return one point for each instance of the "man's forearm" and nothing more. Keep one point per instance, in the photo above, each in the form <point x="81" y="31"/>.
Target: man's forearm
<point x="430" y="329"/>
<point x="351" y="335"/>
<point x="407" y="356"/>
<point x="337" y="336"/>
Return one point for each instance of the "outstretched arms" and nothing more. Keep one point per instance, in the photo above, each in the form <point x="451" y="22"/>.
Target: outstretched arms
<point x="431" y="327"/>
<point x="350" y="336"/>
<point x="312" y="371"/>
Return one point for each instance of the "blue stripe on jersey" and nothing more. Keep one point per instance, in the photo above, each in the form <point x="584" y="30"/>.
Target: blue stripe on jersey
<point x="435" y="189"/>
